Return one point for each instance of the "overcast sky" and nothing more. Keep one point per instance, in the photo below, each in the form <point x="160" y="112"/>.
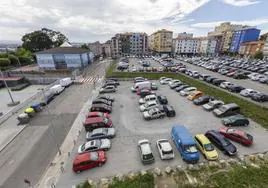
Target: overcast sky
<point x="91" y="20"/>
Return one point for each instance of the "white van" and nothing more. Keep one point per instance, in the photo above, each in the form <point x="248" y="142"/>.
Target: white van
<point x="141" y="85"/>
<point x="56" y="89"/>
<point x="65" y="82"/>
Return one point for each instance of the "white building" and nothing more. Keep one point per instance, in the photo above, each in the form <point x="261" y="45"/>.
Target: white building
<point x="185" y="45"/>
<point x="208" y="46"/>
<point x="185" y="35"/>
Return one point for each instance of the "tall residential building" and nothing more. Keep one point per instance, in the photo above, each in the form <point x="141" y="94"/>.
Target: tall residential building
<point x="265" y="50"/>
<point x="185" y="44"/>
<point x="240" y="36"/>
<point x="208" y="46"/>
<point x="162" y="41"/>
<point x="107" y="48"/>
<point x="95" y="48"/>
<point x="223" y="34"/>
<point x="187" y="35"/>
<point x="129" y="43"/>
<point x="250" y="48"/>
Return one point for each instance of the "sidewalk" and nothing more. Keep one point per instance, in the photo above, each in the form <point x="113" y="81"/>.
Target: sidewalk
<point x="56" y="167"/>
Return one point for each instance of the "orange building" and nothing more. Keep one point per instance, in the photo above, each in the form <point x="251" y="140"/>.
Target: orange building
<point x="250" y="48"/>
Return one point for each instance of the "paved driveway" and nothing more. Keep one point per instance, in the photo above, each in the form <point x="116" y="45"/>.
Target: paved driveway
<point x="124" y="157"/>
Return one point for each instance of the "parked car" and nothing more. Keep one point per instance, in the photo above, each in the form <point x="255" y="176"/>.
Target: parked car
<point x="56" y="89"/>
<point x="236" y="120"/>
<point x="97" y="122"/>
<point x="185" y="143"/>
<point x="175" y="85"/>
<point x="235" y="88"/>
<point x="182" y="87"/>
<point x="187" y="91"/>
<point x="144" y="147"/>
<point x="100" y="133"/>
<point x="110" y="83"/>
<point x="88" y="160"/>
<point x="102" y="101"/>
<point x="211" y="105"/>
<point x="144" y="92"/>
<point x="108" y="98"/>
<point x="107" y="89"/>
<point x="97" y="114"/>
<point x="218" y="81"/>
<point x="66" y="82"/>
<point x="162" y="99"/>
<point x="237" y="136"/>
<point x="165" y="80"/>
<point x="169" y="110"/>
<point x="154" y="113"/>
<point x="260" y="97"/>
<point x="221" y="142"/>
<point x="114" y="80"/>
<point x="147" y="99"/>
<point x="195" y="94"/>
<point x="165" y="149"/>
<point x="95" y="145"/>
<point x="248" y="92"/>
<point x="141" y="85"/>
<point x="203" y="100"/>
<point x="227" y="110"/>
<point x="224" y="85"/>
<point x="101" y="108"/>
<point x="148" y="105"/>
<point x="139" y="79"/>
<point x="205" y="147"/>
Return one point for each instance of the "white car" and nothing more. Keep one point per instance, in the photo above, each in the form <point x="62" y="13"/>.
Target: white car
<point x="187" y="91"/>
<point x="257" y="77"/>
<point x="173" y="82"/>
<point x="165" y="81"/>
<point x="224" y="85"/>
<point x="148" y="105"/>
<point x="147" y="98"/>
<point x="252" y="75"/>
<point x="95" y="145"/>
<point x="165" y="149"/>
<point x="248" y="92"/>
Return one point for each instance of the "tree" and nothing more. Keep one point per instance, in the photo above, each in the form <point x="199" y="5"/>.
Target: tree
<point x="4" y="62"/>
<point x="42" y="39"/>
<point x="13" y="60"/>
<point x="258" y="55"/>
<point x="23" y="52"/>
<point x="85" y="46"/>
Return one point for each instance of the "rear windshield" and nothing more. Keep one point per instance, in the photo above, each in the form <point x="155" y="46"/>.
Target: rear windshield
<point x="148" y="156"/>
<point x="168" y="152"/>
<point x="190" y="149"/>
<point x="94" y="156"/>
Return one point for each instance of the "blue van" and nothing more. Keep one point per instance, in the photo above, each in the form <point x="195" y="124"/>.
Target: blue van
<point x="185" y="143"/>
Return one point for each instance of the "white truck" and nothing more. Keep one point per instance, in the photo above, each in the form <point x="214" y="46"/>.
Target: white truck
<point x="141" y="85"/>
<point x="65" y="82"/>
<point x="56" y="89"/>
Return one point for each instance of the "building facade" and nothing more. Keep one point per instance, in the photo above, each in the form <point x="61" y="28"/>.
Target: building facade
<point x="250" y="48"/>
<point x="185" y="35"/>
<point x="95" y="48"/>
<point x="208" y="46"/>
<point x="265" y="50"/>
<point x="243" y="35"/>
<point x="64" y="58"/>
<point x="185" y="45"/>
<point x="162" y="42"/>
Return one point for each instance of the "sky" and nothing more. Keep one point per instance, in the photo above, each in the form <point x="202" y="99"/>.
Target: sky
<point x="92" y="20"/>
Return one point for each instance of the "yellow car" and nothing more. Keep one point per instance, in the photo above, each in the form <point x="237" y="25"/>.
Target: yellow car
<point x="194" y="95"/>
<point x="205" y="146"/>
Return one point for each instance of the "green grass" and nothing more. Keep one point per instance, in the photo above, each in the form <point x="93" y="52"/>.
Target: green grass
<point x="140" y="181"/>
<point x="84" y="185"/>
<point x="249" y="109"/>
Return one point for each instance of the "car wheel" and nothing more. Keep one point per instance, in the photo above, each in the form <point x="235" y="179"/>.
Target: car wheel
<point x="161" y="117"/>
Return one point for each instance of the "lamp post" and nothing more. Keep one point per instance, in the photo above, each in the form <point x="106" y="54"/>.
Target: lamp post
<point x="13" y="103"/>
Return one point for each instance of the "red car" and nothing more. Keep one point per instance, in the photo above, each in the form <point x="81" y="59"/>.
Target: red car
<point x="138" y="91"/>
<point x="237" y="135"/>
<point x="88" y="160"/>
<point x="98" y="114"/>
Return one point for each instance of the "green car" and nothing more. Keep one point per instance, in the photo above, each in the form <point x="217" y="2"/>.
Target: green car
<point x="236" y="120"/>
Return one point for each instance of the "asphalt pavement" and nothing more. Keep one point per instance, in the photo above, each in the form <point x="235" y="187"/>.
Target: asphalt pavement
<point x="33" y="149"/>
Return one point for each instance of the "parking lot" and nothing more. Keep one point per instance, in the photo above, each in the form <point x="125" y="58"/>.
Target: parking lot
<point x="130" y="127"/>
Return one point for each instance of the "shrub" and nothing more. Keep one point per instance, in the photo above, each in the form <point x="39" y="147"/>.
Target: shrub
<point x="4" y="62"/>
<point x="13" y="60"/>
<point x="25" y="60"/>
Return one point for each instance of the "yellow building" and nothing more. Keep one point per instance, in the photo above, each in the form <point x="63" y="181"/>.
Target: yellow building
<point x="161" y="41"/>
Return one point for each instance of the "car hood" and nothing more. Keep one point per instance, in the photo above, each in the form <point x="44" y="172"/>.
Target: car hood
<point x="111" y="131"/>
<point x="105" y="143"/>
<point x="212" y="154"/>
<point x="231" y="149"/>
<point x="208" y="107"/>
<point x="217" y="111"/>
<point x="141" y="101"/>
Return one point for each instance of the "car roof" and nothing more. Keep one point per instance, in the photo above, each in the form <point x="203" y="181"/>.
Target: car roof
<point x="165" y="145"/>
<point x="145" y="148"/>
<point x="216" y="134"/>
<point x="236" y="131"/>
<point x="99" y="130"/>
<point x="202" y="138"/>
<point x="82" y="157"/>
<point x="94" y="120"/>
<point x="185" y="136"/>
<point x="100" y="105"/>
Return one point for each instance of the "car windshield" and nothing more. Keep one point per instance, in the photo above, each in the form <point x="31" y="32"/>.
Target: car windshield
<point x="208" y="147"/>
<point x="94" y="156"/>
<point x="225" y="142"/>
<point x="190" y="149"/>
<point x="167" y="152"/>
<point x="148" y="156"/>
<point x="223" y="108"/>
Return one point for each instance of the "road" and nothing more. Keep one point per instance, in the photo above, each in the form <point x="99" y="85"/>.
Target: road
<point x="35" y="147"/>
<point x="247" y="83"/>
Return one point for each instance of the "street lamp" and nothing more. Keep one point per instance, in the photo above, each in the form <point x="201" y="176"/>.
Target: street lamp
<point x="13" y="103"/>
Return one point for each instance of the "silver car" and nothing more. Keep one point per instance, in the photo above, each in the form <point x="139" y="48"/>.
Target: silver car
<point x="95" y="145"/>
<point x="148" y="105"/>
<point x="154" y="113"/>
<point x="108" y="89"/>
<point x="100" y="133"/>
<point x="213" y="104"/>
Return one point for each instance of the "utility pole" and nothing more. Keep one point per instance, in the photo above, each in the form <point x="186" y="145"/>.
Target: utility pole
<point x="13" y="103"/>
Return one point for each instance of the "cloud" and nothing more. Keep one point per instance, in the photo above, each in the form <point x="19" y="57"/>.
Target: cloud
<point x="241" y="3"/>
<point x="254" y="22"/>
<point x="95" y="19"/>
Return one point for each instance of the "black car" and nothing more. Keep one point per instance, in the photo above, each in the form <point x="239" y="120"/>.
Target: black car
<point x="101" y="108"/>
<point x="235" y="88"/>
<point x="108" y="98"/>
<point x="203" y="100"/>
<point x="182" y="87"/>
<point x="240" y="76"/>
<point x="169" y="110"/>
<point x="102" y="101"/>
<point x="260" y="97"/>
<point x="178" y="84"/>
<point x="112" y="81"/>
<point x="221" y="142"/>
<point x="217" y="81"/>
<point x="144" y="92"/>
<point x="211" y="79"/>
<point x="162" y="99"/>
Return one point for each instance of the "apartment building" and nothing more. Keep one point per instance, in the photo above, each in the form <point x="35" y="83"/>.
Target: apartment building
<point x="250" y="48"/>
<point x="162" y="41"/>
<point x="265" y="50"/>
<point x="208" y="46"/>
<point x="185" y="44"/>
<point x="95" y="48"/>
